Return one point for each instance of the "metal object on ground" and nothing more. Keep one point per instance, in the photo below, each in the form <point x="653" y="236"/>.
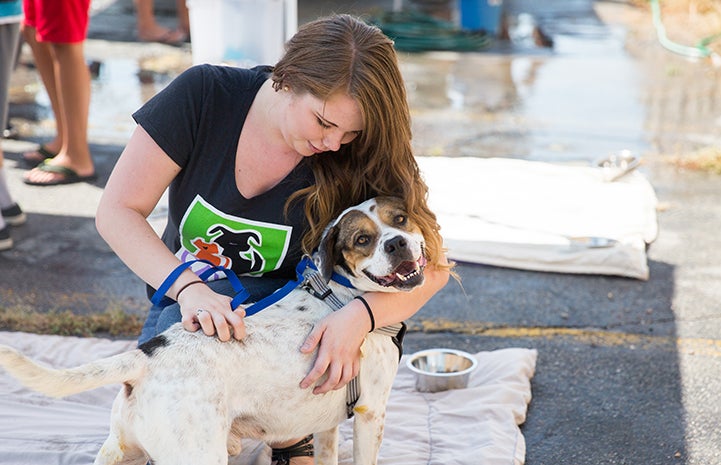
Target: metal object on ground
<point x="618" y="165"/>
<point x="441" y="369"/>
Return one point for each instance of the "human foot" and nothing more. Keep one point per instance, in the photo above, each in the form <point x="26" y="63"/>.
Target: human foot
<point x="13" y="215"/>
<point x="48" y="174"/>
<point x="35" y="157"/>
<point x="6" y="242"/>
<point x="163" y="35"/>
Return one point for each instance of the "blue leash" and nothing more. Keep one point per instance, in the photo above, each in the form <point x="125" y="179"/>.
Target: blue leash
<point x="160" y="299"/>
<point x="242" y="294"/>
<point x="283" y="291"/>
<point x="313" y="283"/>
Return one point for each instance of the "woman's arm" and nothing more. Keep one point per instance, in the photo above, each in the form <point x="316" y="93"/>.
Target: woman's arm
<point x="340" y="335"/>
<point x="136" y="184"/>
<point x="139" y="179"/>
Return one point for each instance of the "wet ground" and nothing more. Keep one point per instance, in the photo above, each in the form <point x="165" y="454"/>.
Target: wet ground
<point x="628" y="371"/>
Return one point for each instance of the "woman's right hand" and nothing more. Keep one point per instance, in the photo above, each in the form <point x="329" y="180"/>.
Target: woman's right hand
<point x="203" y="308"/>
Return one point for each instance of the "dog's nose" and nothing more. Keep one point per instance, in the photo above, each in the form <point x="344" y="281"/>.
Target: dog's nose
<point x="395" y="245"/>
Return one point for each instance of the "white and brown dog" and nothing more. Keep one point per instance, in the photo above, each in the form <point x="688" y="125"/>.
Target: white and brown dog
<point x="188" y="398"/>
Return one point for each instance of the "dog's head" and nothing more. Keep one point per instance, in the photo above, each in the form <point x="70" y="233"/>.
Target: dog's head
<point x="375" y="245"/>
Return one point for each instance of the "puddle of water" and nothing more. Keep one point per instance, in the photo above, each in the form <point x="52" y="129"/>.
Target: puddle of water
<point x="584" y="105"/>
<point x="119" y="86"/>
<point x="577" y="102"/>
<point x="116" y="93"/>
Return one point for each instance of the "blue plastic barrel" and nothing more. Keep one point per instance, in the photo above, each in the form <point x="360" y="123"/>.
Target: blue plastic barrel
<point x="476" y="15"/>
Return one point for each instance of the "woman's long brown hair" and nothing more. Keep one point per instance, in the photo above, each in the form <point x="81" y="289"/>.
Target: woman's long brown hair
<point x="343" y="54"/>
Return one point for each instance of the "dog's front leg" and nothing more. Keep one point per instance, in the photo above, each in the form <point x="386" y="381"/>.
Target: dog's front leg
<point x="326" y="447"/>
<point x="367" y="435"/>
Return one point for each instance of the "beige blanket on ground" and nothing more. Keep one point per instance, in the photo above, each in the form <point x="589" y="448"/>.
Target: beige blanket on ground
<point x="479" y="424"/>
<point x="542" y="216"/>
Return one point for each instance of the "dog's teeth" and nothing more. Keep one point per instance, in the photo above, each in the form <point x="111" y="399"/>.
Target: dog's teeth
<point x="407" y="276"/>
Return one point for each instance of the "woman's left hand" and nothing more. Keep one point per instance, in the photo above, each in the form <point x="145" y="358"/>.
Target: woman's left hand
<point x="338" y="338"/>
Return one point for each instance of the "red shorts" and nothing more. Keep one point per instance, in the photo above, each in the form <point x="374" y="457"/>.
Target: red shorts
<point x="58" y="21"/>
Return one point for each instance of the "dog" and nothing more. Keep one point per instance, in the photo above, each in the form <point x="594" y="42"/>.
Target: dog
<point x="188" y="398"/>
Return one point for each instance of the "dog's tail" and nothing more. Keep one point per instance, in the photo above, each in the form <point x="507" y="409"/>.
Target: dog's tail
<point x="120" y="368"/>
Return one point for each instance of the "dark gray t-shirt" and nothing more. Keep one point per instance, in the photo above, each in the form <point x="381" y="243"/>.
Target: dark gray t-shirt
<point x="197" y="121"/>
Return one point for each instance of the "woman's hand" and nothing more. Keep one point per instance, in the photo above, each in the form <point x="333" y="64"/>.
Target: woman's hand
<point x="203" y="308"/>
<point x="338" y="338"/>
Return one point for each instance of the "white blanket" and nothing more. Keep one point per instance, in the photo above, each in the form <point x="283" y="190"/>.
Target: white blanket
<point x="479" y="424"/>
<point x="542" y="216"/>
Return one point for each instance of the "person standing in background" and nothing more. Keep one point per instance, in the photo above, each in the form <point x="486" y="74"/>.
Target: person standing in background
<point x="150" y="31"/>
<point x="55" y="31"/>
<point x="11" y="14"/>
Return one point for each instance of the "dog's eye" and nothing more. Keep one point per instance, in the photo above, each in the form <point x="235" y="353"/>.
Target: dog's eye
<point x="400" y="220"/>
<point x="363" y="239"/>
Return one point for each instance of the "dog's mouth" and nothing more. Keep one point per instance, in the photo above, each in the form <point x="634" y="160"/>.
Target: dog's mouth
<point x="407" y="274"/>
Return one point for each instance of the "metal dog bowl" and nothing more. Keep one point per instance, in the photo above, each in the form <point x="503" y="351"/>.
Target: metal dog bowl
<point x="441" y="369"/>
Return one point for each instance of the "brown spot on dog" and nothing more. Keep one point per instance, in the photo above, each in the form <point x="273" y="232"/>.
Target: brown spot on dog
<point x="352" y="238"/>
<point x="361" y="409"/>
<point x="357" y="238"/>
<point x="393" y="213"/>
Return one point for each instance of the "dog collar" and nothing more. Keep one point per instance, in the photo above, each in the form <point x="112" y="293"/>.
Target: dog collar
<point x="305" y="272"/>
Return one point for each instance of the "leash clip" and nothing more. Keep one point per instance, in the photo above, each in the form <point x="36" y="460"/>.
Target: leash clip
<point x="308" y="286"/>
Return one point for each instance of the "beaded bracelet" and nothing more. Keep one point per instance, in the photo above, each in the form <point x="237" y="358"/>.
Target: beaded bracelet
<point x="185" y="287"/>
<point x="370" y="312"/>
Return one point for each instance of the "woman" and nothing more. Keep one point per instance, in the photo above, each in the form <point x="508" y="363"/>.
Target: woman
<point x="258" y="162"/>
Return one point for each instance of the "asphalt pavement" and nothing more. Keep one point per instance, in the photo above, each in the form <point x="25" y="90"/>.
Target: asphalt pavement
<point x="628" y="371"/>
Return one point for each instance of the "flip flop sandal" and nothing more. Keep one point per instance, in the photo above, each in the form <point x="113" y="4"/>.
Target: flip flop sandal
<point x="68" y="176"/>
<point x="44" y="152"/>
<point x="173" y="37"/>
<point x="302" y="448"/>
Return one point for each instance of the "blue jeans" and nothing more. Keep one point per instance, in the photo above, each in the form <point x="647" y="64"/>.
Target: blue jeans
<point x="161" y="318"/>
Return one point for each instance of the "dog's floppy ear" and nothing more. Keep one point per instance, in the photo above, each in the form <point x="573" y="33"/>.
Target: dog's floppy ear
<point x="327" y="254"/>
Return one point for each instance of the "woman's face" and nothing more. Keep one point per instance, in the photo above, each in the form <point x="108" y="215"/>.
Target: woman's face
<point x="315" y="126"/>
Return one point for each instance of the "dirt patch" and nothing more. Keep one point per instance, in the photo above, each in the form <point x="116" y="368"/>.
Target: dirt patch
<point x="707" y="159"/>
<point x="682" y="94"/>
<point x="116" y="324"/>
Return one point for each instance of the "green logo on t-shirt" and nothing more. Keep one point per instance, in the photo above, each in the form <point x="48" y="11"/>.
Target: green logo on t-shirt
<point x="246" y="246"/>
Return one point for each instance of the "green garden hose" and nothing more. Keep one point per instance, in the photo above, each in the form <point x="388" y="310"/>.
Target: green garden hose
<point x="699" y="51"/>
<point x="415" y="32"/>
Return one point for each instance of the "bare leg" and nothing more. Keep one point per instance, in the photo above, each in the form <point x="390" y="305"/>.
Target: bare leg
<point x="183" y="16"/>
<point x="72" y="86"/>
<point x="44" y="62"/>
<point x="73" y="80"/>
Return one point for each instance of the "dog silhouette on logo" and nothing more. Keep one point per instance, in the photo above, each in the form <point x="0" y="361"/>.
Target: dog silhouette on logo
<point x="239" y="245"/>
